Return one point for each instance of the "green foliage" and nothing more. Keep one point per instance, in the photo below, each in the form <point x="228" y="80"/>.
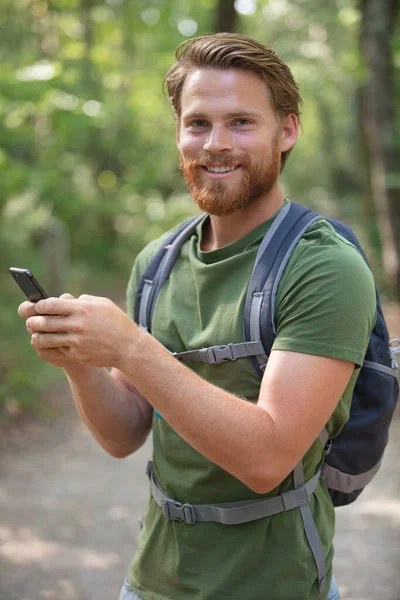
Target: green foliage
<point x="86" y="136"/>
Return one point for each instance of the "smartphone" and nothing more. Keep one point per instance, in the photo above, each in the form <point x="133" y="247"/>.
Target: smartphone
<point x="28" y="284"/>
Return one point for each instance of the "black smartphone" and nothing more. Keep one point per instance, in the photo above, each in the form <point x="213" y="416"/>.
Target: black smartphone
<point x="28" y="284"/>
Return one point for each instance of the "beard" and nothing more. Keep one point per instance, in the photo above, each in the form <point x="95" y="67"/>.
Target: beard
<point x="221" y="198"/>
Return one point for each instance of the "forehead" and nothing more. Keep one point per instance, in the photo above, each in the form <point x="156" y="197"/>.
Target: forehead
<point x="224" y="89"/>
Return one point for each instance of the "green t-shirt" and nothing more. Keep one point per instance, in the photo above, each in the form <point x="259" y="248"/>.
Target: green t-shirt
<point x="325" y="306"/>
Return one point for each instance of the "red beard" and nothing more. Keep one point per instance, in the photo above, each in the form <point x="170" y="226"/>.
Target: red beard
<point x="221" y="198"/>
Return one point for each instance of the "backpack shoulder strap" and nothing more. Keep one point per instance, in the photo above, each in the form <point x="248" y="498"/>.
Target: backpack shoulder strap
<point x="273" y="255"/>
<point x="158" y="270"/>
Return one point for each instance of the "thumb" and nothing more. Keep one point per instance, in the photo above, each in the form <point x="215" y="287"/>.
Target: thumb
<point x="67" y="297"/>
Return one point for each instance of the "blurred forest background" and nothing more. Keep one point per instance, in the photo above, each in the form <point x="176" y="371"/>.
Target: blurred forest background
<point x="88" y="163"/>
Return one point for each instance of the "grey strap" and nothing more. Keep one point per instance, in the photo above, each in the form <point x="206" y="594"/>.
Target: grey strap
<point x="255" y="325"/>
<point x="378" y="367"/>
<point x="324" y="439"/>
<point x="394" y="348"/>
<point x="311" y="530"/>
<point x="284" y="263"/>
<point x="231" y="513"/>
<point x="257" y="299"/>
<point x="171" y="255"/>
<point x="215" y="355"/>
<point x="346" y="483"/>
<point x="271" y="232"/>
<point x="147" y="287"/>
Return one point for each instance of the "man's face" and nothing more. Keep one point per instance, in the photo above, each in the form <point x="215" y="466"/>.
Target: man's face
<point x="229" y="139"/>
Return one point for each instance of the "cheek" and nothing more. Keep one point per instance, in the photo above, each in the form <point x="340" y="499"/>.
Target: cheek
<point x="189" y="145"/>
<point x="256" y="145"/>
<point x="263" y="151"/>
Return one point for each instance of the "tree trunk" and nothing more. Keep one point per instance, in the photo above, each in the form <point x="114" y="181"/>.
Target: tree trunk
<point x="87" y="66"/>
<point x="368" y="203"/>
<point x="378" y="20"/>
<point x="340" y="179"/>
<point x="55" y="249"/>
<point x="226" y="16"/>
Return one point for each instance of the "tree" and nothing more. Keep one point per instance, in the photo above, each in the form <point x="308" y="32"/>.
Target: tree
<point x="378" y="114"/>
<point x="225" y="16"/>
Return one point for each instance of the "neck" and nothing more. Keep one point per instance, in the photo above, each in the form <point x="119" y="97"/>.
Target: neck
<point x="225" y="230"/>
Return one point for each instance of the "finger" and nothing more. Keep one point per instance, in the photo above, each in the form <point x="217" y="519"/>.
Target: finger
<point x="69" y="353"/>
<point x="65" y="351"/>
<point x="57" y="306"/>
<point x="67" y="297"/>
<point x="40" y="341"/>
<point x="50" y="324"/>
<point x="51" y="354"/>
<point x="27" y="309"/>
<point x="47" y="353"/>
<point x="88" y="298"/>
<point x="93" y="299"/>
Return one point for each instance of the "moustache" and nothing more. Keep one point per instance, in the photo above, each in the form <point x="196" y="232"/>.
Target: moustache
<point x="209" y="160"/>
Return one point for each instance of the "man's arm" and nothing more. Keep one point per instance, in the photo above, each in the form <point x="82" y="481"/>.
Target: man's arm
<point x="116" y="414"/>
<point x="259" y="444"/>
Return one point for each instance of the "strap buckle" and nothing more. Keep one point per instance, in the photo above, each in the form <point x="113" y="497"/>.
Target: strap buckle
<point x="295" y="498"/>
<point x="220" y="354"/>
<point x="175" y="511"/>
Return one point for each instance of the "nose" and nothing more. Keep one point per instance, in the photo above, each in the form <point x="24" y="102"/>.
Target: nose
<point x="219" y="139"/>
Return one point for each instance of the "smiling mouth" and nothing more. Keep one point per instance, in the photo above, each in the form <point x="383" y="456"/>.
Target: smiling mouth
<point x="221" y="169"/>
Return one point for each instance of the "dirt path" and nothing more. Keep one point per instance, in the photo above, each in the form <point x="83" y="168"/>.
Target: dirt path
<point x="68" y="511"/>
<point x="68" y="516"/>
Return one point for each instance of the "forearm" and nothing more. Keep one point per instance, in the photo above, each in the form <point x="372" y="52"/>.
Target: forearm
<point x="260" y="444"/>
<point x="110" y="410"/>
<point x="225" y="428"/>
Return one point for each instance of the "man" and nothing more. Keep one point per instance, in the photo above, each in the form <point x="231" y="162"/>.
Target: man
<point x="218" y="435"/>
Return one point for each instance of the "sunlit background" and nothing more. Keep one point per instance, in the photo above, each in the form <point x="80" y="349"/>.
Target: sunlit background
<point x="88" y="163"/>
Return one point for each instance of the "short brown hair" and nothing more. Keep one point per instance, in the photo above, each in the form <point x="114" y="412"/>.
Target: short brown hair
<point x="235" y="51"/>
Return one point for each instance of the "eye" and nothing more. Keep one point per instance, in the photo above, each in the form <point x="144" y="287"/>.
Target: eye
<point x="242" y="122"/>
<point x="198" y="124"/>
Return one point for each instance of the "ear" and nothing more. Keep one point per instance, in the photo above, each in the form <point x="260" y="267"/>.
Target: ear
<point x="178" y="134"/>
<point x="289" y="131"/>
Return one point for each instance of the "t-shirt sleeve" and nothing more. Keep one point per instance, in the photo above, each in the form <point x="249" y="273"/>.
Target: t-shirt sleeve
<point x="326" y="303"/>
<point x="131" y="289"/>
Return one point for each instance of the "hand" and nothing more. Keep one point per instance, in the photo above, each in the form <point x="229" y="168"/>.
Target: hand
<point x="54" y="356"/>
<point x="88" y="330"/>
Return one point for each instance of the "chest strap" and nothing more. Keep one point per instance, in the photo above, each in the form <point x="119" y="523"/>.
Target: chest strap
<point x="230" y="513"/>
<point x="216" y="355"/>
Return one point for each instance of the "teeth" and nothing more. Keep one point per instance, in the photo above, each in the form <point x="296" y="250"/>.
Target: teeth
<point x="220" y="169"/>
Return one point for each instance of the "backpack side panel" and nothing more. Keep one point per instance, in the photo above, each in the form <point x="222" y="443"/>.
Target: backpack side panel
<point x="356" y="452"/>
<point x="359" y="447"/>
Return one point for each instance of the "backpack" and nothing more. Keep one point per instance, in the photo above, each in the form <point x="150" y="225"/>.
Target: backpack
<point x="354" y="456"/>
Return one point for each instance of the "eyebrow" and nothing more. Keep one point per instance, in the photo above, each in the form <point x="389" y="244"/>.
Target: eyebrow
<point x="232" y="115"/>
